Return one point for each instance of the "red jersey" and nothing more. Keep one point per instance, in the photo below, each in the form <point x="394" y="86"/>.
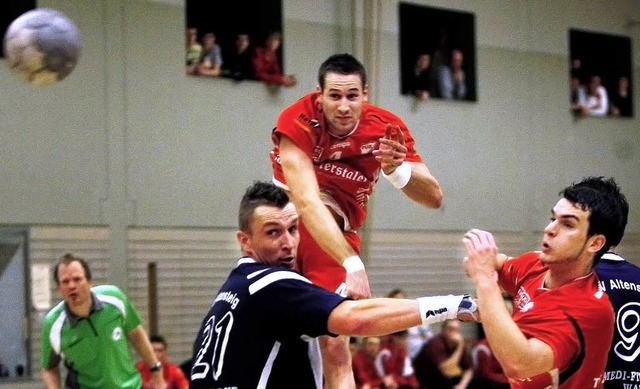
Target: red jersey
<point x="345" y="166"/>
<point x="575" y="320"/>
<point x="174" y="378"/>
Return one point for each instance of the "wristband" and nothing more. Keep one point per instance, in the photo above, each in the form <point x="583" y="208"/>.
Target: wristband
<point x="399" y="177"/>
<point x="353" y="264"/>
<point x="438" y="308"/>
<point x="156" y="367"/>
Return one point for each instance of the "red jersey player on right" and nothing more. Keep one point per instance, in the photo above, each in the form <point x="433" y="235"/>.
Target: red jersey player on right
<point x="562" y="324"/>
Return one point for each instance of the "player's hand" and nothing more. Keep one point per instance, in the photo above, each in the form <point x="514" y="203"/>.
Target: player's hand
<point x="358" y="285"/>
<point x="482" y="254"/>
<point x="392" y="150"/>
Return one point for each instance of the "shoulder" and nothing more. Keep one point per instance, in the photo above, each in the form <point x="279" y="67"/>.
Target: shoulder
<point x="275" y="277"/>
<point x="108" y="290"/>
<point x="54" y="314"/>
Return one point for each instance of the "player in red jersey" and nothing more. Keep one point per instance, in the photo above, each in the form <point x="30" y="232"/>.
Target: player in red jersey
<point x="562" y="323"/>
<point x="329" y="150"/>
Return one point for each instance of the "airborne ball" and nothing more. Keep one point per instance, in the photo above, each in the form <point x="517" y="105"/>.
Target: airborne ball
<point x="42" y="46"/>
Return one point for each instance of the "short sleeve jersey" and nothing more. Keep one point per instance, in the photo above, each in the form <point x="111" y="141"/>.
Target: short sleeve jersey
<point x="255" y="333"/>
<point x="575" y="320"/>
<point x="345" y="166"/>
<point x="95" y="350"/>
<point x="620" y="279"/>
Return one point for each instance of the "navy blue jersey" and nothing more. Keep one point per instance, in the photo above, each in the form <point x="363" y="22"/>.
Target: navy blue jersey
<point x="621" y="280"/>
<point x="257" y="330"/>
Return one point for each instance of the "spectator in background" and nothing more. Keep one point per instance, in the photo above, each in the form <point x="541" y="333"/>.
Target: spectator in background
<point x="393" y="363"/>
<point x="194" y="50"/>
<point x="597" y="102"/>
<point x="211" y="62"/>
<point x="444" y="362"/>
<point x="173" y="376"/>
<point x="364" y="368"/>
<point x="578" y="94"/>
<point x="451" y="78"/>
<point x="238" y="64"/>
<point x="621" y="100"/>
<point x="488" y="371"/>
<point x="422" y="77"/>
<point x="266" y="63"/>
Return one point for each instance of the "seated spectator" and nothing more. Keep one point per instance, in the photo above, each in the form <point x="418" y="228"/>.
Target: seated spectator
<point x="451" y="78"/>
<point x="421" y="78"/>
<point x="266" y="63"/>
<point x="238" y="64"/>
<point x="597" y="103"/>
<point x="393" y="363"/>
<point x="211" y="62"/>
<point x="194" y="51"/>
<point x="444" y="362"/>
<point x="488" y="373"/>
<point x="578" y="95"/>
<point x="173" y="375"/>
<point x="363" y="361"/>
<point x="621" y="104"/>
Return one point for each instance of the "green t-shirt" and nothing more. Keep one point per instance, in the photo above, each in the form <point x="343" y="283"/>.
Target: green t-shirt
<point x="95" y="350"/>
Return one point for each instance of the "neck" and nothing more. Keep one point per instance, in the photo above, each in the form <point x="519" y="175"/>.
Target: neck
<point x="81" y="310"/>
<point x="560" y="274"/>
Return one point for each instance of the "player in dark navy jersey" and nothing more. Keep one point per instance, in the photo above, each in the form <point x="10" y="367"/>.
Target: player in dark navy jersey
<point x="260" y="330"/>
<point x="621" y="280"/>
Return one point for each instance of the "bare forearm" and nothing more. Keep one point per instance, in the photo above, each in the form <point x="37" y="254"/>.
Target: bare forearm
<point x="423" y="188"/>
<point x="322" y="226"/>
<point x="519" y="356"/>
<point x="374" y="317"/>
<point x="140" y="341"/>
<point x="51" y="378"/>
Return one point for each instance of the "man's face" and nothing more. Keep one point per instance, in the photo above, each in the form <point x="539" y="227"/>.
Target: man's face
<point x="160" y="350"/>
<point x="452" y="332"/>
<point x="372" y="345"/>
<point x="565" y="237"/>
<point x="274" y="236"/>
<point x="341" y="100"/>
<point x="73" y="284"/>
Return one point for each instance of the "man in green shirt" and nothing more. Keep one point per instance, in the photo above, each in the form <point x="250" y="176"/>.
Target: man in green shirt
<point x="90" y="330"/>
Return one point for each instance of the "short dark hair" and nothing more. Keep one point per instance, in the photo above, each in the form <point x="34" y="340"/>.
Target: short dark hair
<point x="341" y="64"/>
<point x="66" y="260"/>
<point x="260" y="193"/>
<point x="158" y="339"/>
<point x="608" y="207"/>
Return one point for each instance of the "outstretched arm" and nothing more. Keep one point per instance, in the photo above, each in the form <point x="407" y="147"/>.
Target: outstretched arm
<point x="382" y="316"/>
<point x="305" y="193"/>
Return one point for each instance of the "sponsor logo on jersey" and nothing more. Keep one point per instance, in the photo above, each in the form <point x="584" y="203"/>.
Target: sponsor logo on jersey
<point x="367" y="148"/>
<point x="523" y="301"/>
<point x="340" y="145"/>
<point x="116" y="334"/>
<point x="342" y="171"/>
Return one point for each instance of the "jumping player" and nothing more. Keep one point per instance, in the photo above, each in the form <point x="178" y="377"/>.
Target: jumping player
<point x="562" y="323"/>
<point x="330" y="148"/>
<point x="259" y="330"/>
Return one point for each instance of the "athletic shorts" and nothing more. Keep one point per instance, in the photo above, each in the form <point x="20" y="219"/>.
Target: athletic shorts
<point x="317" y="265"/>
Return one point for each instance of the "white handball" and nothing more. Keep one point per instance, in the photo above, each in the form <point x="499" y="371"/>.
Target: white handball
<point x="42" y="46"/>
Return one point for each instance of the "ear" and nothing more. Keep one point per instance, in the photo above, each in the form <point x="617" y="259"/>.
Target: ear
<point x="365" y="93"/>
<point x="243" y="238"/>
<point x="596" y="243"/>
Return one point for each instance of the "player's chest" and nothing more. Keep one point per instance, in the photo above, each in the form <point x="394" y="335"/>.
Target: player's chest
<point x="355" y="147"/>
